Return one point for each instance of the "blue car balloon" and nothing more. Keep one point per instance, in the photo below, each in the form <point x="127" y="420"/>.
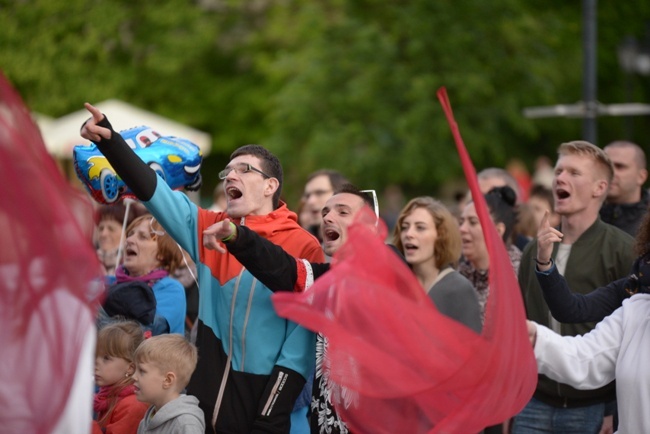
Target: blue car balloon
<point x="177" y="161"/>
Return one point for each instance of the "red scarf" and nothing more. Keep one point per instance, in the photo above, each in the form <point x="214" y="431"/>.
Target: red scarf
<point x="103" y="398"/>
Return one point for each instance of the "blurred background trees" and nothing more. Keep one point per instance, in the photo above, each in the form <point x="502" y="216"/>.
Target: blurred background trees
<point x="349" y="85"/>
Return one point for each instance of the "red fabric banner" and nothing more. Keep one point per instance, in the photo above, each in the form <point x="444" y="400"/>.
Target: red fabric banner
<point x="409" y="368"/>
<point x="46" y="265"/>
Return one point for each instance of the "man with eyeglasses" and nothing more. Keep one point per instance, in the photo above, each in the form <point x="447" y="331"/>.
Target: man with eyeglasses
<point x="252" y="364"/>
<point x="281" y="271"/>
<point x="320" y="186"/>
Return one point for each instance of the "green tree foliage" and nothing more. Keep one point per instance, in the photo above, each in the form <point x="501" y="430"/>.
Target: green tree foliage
<point x="360" y="86"/>
<point x="345" y="84"/>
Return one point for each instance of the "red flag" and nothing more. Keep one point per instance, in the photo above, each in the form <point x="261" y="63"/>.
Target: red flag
<point x="407" y="367"/>
<point x="46" y="264"/>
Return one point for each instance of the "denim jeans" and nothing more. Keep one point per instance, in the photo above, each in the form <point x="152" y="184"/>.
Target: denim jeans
<point x="538" y="417"/>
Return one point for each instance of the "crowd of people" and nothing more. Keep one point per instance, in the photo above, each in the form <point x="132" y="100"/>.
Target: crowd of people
<point x="566" y="242"/>
<point x="188" y="340"/>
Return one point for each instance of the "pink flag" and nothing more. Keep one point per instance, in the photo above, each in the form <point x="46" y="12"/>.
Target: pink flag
<point x="46" y="265"/>
<point x="404" y="366"/>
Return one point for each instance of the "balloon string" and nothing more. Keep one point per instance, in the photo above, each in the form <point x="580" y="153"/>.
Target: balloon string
<point x="128" y="203"/>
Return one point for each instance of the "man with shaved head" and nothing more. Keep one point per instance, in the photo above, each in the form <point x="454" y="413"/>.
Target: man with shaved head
<point x="627" y="200"/>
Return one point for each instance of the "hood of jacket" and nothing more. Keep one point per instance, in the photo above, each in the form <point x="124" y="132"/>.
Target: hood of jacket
<point x="277" y="226"/>
<point x="183" y="405"/>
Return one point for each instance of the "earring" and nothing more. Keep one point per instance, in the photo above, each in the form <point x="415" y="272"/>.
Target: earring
<point x="126" y="375"/>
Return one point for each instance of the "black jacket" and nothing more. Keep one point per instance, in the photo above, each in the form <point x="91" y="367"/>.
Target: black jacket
<point x="628" y="216"/>
<point x="571" y="307"/>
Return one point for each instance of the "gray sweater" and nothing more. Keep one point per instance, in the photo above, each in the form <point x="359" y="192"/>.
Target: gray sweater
<point x="180" y="416"/>
<point x="455" y="297"/>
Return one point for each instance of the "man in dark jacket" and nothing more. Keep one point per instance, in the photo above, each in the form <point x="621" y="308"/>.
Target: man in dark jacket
<point x="627" y="200"/>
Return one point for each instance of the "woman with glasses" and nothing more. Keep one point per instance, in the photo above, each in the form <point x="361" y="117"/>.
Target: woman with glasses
<point x="427" y="235"/>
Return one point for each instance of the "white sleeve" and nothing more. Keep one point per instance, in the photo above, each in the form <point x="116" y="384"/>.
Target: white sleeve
<point x="584" y="362"/>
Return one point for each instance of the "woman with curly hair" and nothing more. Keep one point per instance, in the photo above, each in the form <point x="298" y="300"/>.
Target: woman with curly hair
<point x="427" y="235"/>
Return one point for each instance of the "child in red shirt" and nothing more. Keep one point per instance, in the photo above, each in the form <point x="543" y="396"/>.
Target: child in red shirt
<point x="117" y="411"/>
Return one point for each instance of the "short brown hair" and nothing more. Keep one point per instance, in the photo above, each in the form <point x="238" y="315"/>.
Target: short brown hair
<point x="270" y="165"/>
<point x="169" y="353"/>
<point x="169" y="253"/>
<point x="581" y="147"/>
<point x="336" y="178"/>
<point x="447" y="248"/>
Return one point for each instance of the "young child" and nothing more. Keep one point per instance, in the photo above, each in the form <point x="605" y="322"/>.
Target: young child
<point x="164" y="365"/>
<point x="116" y="407"/>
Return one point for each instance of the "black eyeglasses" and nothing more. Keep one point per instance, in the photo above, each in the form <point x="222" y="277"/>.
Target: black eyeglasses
<point x="241" y="168"/>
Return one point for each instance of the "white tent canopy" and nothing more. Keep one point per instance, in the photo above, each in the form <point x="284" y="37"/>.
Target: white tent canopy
<point x="62" y="134"/>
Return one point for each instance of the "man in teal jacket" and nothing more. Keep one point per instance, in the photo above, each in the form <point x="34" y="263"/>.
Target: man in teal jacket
<point x="252" y="363"/>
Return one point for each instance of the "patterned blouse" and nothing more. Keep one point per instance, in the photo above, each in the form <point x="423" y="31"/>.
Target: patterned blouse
<point x="479" y="278"/>
<point x="324" y="394"/>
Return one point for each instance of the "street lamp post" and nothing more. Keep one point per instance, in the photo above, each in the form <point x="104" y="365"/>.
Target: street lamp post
<point x="633" y="59"/>
<point x="589" y="85"/>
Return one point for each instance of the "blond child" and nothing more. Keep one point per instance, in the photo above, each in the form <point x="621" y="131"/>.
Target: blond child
<point x="117" y="411"/>
<point x="164" y="365"/>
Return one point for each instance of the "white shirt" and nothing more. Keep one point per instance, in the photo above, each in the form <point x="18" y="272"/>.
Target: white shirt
<point x="618" y="348"/>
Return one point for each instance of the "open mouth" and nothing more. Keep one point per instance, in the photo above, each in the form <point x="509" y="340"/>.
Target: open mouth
<point x="233" y="193"/>
<point x="408" y="247"/>
<point x="130" y="252"/>
<point x="330" y="234"/>
<point x="561" y="193"/>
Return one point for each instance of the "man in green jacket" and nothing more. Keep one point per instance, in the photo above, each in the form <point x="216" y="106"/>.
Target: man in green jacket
<point x="591" y="254"/>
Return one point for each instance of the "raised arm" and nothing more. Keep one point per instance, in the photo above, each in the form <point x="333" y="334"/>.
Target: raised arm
<point x="569" y="307"/>
<point x="140" y="178"/>
<point x="566" y="306"/>
<point x="268" y="262"/>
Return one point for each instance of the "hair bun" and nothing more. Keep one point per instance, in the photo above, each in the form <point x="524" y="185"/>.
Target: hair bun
<point x="505" y="193"/>
<point x="508" y="195"/>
